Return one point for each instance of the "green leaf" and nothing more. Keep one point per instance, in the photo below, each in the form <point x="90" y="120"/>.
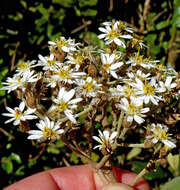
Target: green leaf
<point x="89" y="12"/>
<point x="161" y="25"/>
<point x="133" y="153"/>
<point x="19" y="171"/>
<point x="15" y="157"/>
<point x="7" y="165"/>
<point x="139" y="166"/>
<point x="95" y="157"/>
<point x="173" y="161"/>
<point x="172" y="185"/>
<point x="53" y="150"/>
<point x="64" y="3"/>
<point x="31" y="163"/>
<point x="74" y="158"/>
<point x="83" y="3"/>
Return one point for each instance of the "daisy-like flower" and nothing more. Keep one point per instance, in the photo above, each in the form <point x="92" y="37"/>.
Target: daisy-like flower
<point x="24" y="66"/>
<point x="113" y="33"/>
<point x="108" y="64"/>
<point x="47" y="130"/>
<point x="18" y="114"/>
<point x="19" y="81"/>
<point x="159" y="133"/>
<point x="88" y="87"/>
<point x="48" y="63"/>
<point x="65" y="104"/>
<point x="134" y="109"/>
<point x="138" y="59"/>
<point x="63" y="44"/>
<point x="76" y="60"/>
<point x="66" y="74"/>
<point x="147" y="91"/>
<point x="167" y="85"/>
<point x="139" y="74"/>
<point x="105" y="139"/>
<point x="124" y="91"/>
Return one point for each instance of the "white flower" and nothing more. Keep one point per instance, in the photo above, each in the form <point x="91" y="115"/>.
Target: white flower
<point x="19" y="81"/>
<point x="108" y="64"/>
<point x="65" y="104"/>
<point x="88" y="87"/>
<point x="48" y="63"/>
<point x="134" y="109"/>
<point x="139" y="74"/>
<point x="23" y="66"/>
<point x="160" y="134"/>
<point x="105" y="139"/>
<point x="65" y="45"/>
<point x="112" y="33"/>
<point x="66" y="74"/>
<point x="138" y="59"/>
<point x="123" y="91"/>
<point x="147" y="91"/>
<point x="76" y="60"/>
<point x="18" y="114"/>
<point x="47" y="130"/>
<point x="168" y="85"/>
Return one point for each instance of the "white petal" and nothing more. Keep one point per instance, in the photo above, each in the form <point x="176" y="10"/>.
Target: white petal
<point x="102" y="36"/>
<point x="35" y="132"/>
<point x="31" y="137"/>
<point x="168" y="81"/>
<point x="61" y="93"/>
<point x="116" y="65"/>
<point x="97" y="139"/>
<point x="74" y="101"/>
<point x="65" y="49"/>
<point x="138" y="119"/>
<point x="68" y="95"/>
<point x="113" y="135"/>
<point x="102" y="29"/>
<point x="69" y="114"/>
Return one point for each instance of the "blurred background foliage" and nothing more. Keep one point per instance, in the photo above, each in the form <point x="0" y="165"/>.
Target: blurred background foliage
<point x="25" y="28"/>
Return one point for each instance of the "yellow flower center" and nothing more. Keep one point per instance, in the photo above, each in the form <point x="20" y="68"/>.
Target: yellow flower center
<point x="61" y="43"/>
<point x="49" y="133"/>
<point x="79" y="59"/>
<point x="129" y="91"/>
<point x="132" y="110"/>
<point x="22" y="65"/>
<point x="18" y="114"/>
<point x="62" y="106"/>
<point x="64" y="74"/>
<point x="113" y="34"/>
<point x="107" y="66"/>
<point x="160" y="133"/>
<point x="51" y="62"/>
<point x="89" y="86"/>
<point x="148" y="89"/>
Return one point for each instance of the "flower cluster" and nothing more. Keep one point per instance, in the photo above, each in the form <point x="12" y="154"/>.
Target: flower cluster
<point x="76" y="83"/>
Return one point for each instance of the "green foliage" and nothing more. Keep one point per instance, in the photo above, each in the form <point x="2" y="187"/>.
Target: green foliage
<point x="33" y="23"/>
<point x="173" y="184"/>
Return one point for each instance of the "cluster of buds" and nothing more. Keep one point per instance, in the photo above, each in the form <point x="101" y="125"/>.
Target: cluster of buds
<point x="74" y="87"/>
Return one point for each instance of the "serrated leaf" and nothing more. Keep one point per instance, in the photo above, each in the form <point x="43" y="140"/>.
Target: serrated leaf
<point x="172" y="185"/>
<point x="133" y="153"/>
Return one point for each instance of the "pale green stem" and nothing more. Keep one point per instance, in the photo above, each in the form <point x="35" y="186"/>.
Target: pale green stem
<point x="120" y="123"/>
<point x="77" y="115"/>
